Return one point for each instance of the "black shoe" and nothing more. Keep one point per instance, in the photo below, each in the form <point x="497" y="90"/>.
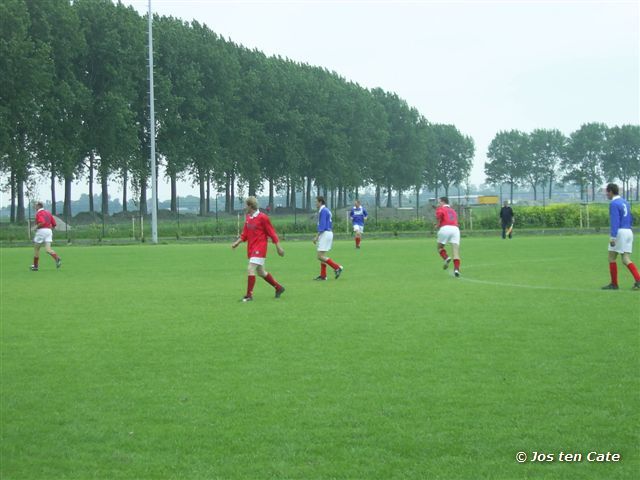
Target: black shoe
<point x="446" y="263"/>
<point x="58" y="262"/>
<point x="636" y="286"/>
<point x="320" y="277"/>
<point x="358" y="247"/>
<point x="611" y="286"/>
<point x="280" y="291"/>
<point x="338" y="272"/>
<point x="456" y="273"/>
<point x="34" y="268"/>
<point x="246" y="299"/>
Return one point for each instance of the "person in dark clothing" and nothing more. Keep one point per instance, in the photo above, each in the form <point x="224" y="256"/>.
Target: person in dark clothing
<point x="506" y="217"/>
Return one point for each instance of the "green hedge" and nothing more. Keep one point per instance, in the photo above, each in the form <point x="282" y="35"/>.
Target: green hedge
<point x="557" y="216"/>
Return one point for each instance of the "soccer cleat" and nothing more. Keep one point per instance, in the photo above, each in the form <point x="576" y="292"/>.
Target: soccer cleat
<point x="320" y="277"/>
<point x="338" y="272"/>
<point x="456" y="273"/>
<point x="58" y="262"/>
<point x="446" y="263"/>
<point x="246" y="299"/>
<point x="636" y="286"/>
<point x="34" y="268"/>
<point x="279" y="291"/>
<point x="358" y="247"/>
<point x="611" y="286"/>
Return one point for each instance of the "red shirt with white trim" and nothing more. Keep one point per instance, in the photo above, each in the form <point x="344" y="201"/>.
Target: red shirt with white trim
<point x="445" y="215"/>
<point x="44" y="219"/>
<point x="257" y="231"/>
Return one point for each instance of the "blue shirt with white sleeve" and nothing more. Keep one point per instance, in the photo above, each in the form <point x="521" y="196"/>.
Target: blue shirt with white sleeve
<point x="358" y="215"/>
<point x="619" y="215"/>
<point x="324" y="219"/>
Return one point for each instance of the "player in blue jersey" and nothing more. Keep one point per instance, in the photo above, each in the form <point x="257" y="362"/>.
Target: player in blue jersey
<point x="324" y="240"/>
<point x="358" y="215"/>
<point x="621" y="239"/>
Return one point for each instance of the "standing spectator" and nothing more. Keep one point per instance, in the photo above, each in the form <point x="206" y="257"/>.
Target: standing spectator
<point x="448" y="232"/>
<point x="506" y="217"/>
<point x="621" y="239"/>
<point x="45" y="223"/>
<point x="324" y="240"/>
<point x="358" y="216"/>
<point x="257" y="230"/>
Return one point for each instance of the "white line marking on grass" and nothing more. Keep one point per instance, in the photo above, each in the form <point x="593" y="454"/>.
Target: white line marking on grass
<point x="533" y="287"/>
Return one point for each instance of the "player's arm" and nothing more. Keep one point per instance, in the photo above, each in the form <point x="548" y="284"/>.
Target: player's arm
<point x="614" y="219"/>
<point x="271" y="233"/>
<point x="364" y="212"/>
<point x="241" y="238"/>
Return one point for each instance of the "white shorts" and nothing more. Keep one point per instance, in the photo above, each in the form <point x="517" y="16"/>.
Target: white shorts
<point x="43" y="235"/>
<point x="624" y="241"/>
<point x="358" y="228"/>
<point x="257" y="260"/>
<point x="449" y="234"/>
<point x="325" y="241"/>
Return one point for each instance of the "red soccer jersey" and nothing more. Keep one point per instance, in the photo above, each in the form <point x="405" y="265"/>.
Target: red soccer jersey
<point x="445" y="215"/>
<point x="257" y="230"/>
<point x="44" y="219"/>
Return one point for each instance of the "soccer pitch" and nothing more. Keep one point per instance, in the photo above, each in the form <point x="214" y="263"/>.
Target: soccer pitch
<point x="140" y="362"/>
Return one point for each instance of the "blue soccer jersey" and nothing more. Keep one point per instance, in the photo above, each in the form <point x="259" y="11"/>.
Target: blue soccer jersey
<point x="619" y="215"/>
<point x="358" y="215"/>
<point x="324" y="220"/>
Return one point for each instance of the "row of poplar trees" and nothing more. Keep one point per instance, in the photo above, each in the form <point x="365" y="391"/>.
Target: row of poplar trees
<point x="74" y="105"/>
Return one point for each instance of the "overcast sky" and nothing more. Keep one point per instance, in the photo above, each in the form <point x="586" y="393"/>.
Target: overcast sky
<point x="482" y="66"/>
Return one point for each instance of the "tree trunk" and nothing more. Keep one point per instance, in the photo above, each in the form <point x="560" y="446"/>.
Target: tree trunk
<point x="399" y="198"/>
<point x="104" y="189"/>
<point x="511" y="192"/>
<point x="208" y="193"/>
<point x="227" y="193"/>
<point x="143" y="196"/>
<point x="377" y="196"/>
<point x="92" y="160"/>
<point x="232" y="192"/>
<point x="535" y="192"/>
<point x="53" y="191"/>
<point x="389" y="196"/>
<point x="309" y="206"/>
<point x="550" y="185"/>
<point x="174" y="192"/>
<point x="125" y="180"/>
<point x="203" y="203"/>
<point x="339" y="197"/>
<point x="271" y="194"/>
<point x="20" y="217"/>
<point x="287" y="195"/>
<point x="66" y="209"/>
<point x="12" y="214"/>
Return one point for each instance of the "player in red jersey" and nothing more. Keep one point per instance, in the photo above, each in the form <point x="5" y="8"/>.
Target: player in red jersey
<point x="448" y="232"/>
<point x="257" y="230"/>
<point x="45" y="223"/>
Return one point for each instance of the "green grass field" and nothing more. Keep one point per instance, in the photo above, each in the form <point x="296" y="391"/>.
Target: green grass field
<point x="140" y="362"/>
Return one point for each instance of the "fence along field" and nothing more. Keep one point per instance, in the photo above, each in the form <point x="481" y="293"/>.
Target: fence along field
<point x="130" y="226"/>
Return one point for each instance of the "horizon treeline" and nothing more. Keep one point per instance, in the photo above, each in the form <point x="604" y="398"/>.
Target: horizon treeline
<point x="75" y="105"/>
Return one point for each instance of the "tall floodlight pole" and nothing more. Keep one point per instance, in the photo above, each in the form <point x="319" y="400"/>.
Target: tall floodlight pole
<point x="152" y="135"/>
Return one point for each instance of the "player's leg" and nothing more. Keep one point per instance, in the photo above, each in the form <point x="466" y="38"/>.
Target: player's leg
<point x="270" y="280"/>
<point x="36" y="256"/>
<point x="322" y="258"/>
<point x="613" y="271"/>
<point x="54" y="255"/>
<point x="504" y="231"/>
<point x="626" y="260"/>
<point x="251" y="281"/>
<point x="358" y="231"/>
<point x="456" y="258"/>
<point x="324" y="246"/>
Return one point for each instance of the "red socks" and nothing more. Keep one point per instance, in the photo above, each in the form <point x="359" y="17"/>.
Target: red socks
<point x="613" y="270"/>
<point x="323" y="269"/>
<point x="35" y="261"/>
<point x="251" y="281"/>
<point x="634" y="271"/>
<point x="272" y="281"/>
<point x="456" y="264"/>
<point x="332" y="264"/>
<point x="358" y="241"/>
<point x="443" y="253"/>
<point x="54" y="255"/>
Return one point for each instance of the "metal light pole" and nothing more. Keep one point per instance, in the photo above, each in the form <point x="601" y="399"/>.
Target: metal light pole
<point x="152" y="134"/>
